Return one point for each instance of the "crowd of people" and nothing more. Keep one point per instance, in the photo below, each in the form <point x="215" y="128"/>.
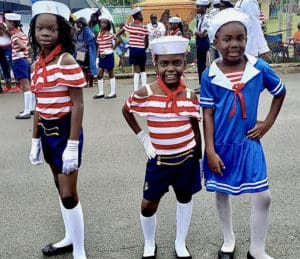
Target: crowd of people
<point x="233" y="160"/>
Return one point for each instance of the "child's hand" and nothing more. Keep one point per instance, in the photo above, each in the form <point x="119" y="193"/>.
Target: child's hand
<point x="146" y="141"/>
<point x="215" y="163"/>
<point x="258" y="131"/>
<point x="70" y="157"/>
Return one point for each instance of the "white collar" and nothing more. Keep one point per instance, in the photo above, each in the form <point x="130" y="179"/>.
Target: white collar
<point x="220" y="79"/>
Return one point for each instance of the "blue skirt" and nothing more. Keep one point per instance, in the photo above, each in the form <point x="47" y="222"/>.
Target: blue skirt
<point x="245" y="169"/>
<point x="54" y="137"/>
<point x="107" y="62"/>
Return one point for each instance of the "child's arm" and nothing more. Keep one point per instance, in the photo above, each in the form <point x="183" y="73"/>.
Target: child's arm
<point x="262" y="127"/>
<point x="197" y="133"/>
<point x="215" y="163"/>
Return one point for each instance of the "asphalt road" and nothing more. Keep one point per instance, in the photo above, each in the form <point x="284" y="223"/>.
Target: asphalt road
<point x="110" y="187"/>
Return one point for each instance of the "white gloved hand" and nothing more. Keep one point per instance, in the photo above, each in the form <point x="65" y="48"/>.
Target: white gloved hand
<point x="35" y="151"/>
<point x="146" y="141"/>
<point x="70" y="157"/>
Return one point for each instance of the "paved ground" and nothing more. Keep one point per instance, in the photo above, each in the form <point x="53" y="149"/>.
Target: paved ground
<point x="110" y="186"/>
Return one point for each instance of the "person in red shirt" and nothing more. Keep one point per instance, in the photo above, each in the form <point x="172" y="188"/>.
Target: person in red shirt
<point x="57" y="81"/>
<point x="173" y="145"/>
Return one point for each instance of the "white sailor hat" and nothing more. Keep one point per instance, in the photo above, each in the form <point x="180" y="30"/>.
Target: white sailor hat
<point x="169" y="45"/>
<point x="51" y="7"/>
<point x="174" y="19"/>
<point x="135" y="10"/>
<point x="13" y="17"/>
<point x="106" y="17"/>
<point x="202" y="2"/>
<point x="226" y="16"/>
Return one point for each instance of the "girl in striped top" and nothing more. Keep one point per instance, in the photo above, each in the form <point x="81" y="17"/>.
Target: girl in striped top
<point x="174" y="144"/>
<point x="57" y="81"/>
<point x="106" y="57"/>
<point x="21" y="65"/>
<point x="234" y="161"/>
<point x="138" y="41"/>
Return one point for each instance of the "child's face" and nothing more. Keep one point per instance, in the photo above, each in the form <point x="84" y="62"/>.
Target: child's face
<point x="231" y="41"/>
<point x="170" y="68"/>
<point x="103" y="23"/>
<point x="46" y="31"/>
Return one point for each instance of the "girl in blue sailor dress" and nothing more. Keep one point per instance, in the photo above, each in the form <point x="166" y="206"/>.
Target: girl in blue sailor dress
<point x="234" y="161"/>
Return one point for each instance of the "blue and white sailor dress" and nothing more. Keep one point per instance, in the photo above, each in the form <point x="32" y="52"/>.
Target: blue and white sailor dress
<point x="244" y="158"/>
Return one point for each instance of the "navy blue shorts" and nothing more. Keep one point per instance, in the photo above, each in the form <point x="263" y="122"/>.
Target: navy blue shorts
<point x="21" y="68"/>
<point x="181" y="172"/>
<point x="107" y="62"/>
<point x="54" y="137"/>
<point x="137" y="56"/>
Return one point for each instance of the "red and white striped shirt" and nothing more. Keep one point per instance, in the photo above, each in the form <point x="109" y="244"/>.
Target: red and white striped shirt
<point x="105" y="42"/>
<point x="136" y="35"/>
<point x="170" y="133"/>
<point x="53" y="99"/>
<point x="16" y="53"/>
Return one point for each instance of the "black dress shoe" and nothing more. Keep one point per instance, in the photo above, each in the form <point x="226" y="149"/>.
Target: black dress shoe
<point x="151" y="256"/>
<point x="110" y="96"/>
<point x="31" y="112"/>
<point x="225" y="255"/>
<point x="185" y="257"/>
<point x="50" y="250"/>
<point x="98" y="96"/>
<point x="249" y="256"/>
<point x="23" y="117"/>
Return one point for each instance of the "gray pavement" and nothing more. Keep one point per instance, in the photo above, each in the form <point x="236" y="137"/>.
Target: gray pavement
<point x="110" y="187"/>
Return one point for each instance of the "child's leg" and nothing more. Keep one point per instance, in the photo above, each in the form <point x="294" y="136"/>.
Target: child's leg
<point x="73" y="213"/>
<point x="259" y="220"/>
<point x="100" y="85"/>
<point x="66" y="241"/>
<point x="112" y="81"/>
<point x="136" y="79"/>
<point x="223" y="204"/>
<point x="27" y="99"/>
<point x="183" y="220"/>
<point x="148" y="222"/>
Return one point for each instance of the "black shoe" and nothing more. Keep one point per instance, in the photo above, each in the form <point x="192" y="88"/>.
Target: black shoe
<point x="225" y="255"/>
<point x="98" y="96"/>
<point x="50" y="250"/>
<point x="249" y="256"/>
<point x="151" y="256"/>
<point x="23" y="117"/>
<point x="197" y="90"/>
<point x="31" y="112"/>
<point x="110" y="96"/>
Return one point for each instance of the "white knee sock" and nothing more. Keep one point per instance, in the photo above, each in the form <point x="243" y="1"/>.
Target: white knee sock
<point x="66" y="240"/>
<point x="148" y="227"/>
<point x="112" y="86"/>
<point x="32" y="103"/>
<point x="223" y="204"/>
<point x="136" y="79"/>
<point x="183" y="217"/>
<point x="259" y="221"/>
<point x="100" y="87"/>
<point x="74" y="218"/>
<point x="27" y="103"/>
<point x="144" y="78"/>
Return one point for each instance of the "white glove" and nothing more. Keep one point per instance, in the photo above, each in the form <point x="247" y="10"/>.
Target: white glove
<point x="35" y="151"/>
<point x="146" y="141"/>
<point x="70" y="157"/>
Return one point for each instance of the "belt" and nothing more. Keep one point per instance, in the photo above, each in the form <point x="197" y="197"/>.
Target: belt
<point x="49" y="131"/>
<point x="179" y="158"/>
